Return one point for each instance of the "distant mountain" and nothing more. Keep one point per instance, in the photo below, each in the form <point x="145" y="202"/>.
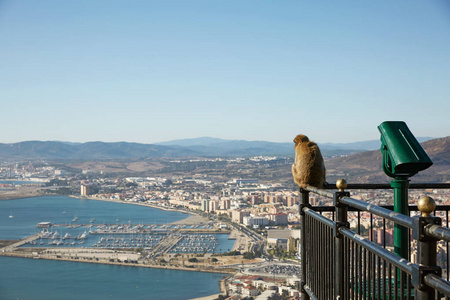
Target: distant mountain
<point x="201" y="141"/>
<point x="205" y="146"/>
<point x="222" y="147"/>
<point x="93" y="150"/>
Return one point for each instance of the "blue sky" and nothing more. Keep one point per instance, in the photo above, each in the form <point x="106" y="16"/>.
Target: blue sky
<point x="151" y="71"/>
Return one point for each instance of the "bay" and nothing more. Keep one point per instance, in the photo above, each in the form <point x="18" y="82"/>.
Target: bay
<point x="44" y="279"/>
<point x="29" y="279"/>
<point x="28" y="212"/>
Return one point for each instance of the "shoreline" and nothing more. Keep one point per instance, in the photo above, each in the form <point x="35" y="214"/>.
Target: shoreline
<point x="153" y="266"/>
<point x="193" y="218"/>
<point x="133" y="203"/>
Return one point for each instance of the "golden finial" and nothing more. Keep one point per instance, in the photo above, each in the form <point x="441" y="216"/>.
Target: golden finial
<point x="341" y="184"/>
<point x="426" y="205"/>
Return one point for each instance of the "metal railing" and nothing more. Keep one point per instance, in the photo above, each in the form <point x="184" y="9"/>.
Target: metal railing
<point x="339" y="263"/>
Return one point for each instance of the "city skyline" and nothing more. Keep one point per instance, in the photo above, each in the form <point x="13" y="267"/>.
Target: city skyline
<point x="155" y="71"/>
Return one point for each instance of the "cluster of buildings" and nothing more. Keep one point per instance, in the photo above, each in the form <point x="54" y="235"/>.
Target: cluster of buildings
<point x="260" y="287"/>
<point x="244" y="201"/>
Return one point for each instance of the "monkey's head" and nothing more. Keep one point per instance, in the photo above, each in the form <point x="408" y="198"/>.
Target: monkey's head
<point x="301" y="139"/>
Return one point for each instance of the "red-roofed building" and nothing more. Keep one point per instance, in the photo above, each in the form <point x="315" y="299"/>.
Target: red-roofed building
<point x="249" y="291"/>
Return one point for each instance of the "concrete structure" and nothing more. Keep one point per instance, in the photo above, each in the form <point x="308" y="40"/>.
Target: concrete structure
<point x="238" y="215"/>
<point x="278" y="219"/>
<point x="249" y="291"/>
<point x="213" y="205"/>
<point x="286" y="239"/>
<point x="255" y="221"/>
<point x="85" y="190"/>
<point x="205" y="205"/>
<point x="225" y="204"/>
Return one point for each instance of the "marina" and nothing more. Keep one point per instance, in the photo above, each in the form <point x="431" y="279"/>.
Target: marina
<point x="121" y="235"/>
<point x="157" y="238"/>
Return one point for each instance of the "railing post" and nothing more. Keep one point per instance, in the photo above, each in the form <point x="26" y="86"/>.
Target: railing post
<point x="304" y="202"/>
<point x="341" y="221"/>
<point x="426" y="249"/>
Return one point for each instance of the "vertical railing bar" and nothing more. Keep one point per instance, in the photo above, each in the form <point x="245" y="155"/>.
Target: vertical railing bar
<point x="371" y="227"/>
<point x="356" y="274"/>
<point x="389" y="280"/>
<point x="347" y="269"/>
<point x="331" y="262"/>
<point x="306" y="263"/>
<point x="402" y="285"/>
<point x="314" y="261"/>
<point x="329" y="286"/>
<point x="324" y="240"/>
<point x="409" y="244"/>
<point x="320" y="290"/>
<point x="359" y="222"/>
<point x="383" y="277"/>
<point x="374" y="268"/>
<point x="317" y="290"/>
<point x="315" y="258"/>
<point x="352" y="269"/>
<point x="369" y="275"/>
<point x="360" y="278"/>
<point x="395" y="283"/>
<point x="324" y="265"/>
<point x="379" y="277"/>
<point x="321" y="263"/>
<point x="384" y="233"/>
<point x="364" y="272"/>
<point x="408" y="287"/>
<point x="373" y="282"/>
<point x="355" y="270"/>
<point x="448" y="268"/>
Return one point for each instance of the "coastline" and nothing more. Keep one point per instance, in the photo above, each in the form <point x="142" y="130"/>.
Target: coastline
<point x="133" y="203"/>
<point x="192" y="219"/>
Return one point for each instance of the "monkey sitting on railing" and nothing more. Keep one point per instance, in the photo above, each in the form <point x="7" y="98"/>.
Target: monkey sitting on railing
<point x="308" y="168"/>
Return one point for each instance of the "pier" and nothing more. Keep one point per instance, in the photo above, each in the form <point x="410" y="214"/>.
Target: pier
<point x="19" y="243"/>
<point x="165" y="245"/>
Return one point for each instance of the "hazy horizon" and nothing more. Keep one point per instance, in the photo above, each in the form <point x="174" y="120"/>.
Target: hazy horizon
<point x="204" y="137"/>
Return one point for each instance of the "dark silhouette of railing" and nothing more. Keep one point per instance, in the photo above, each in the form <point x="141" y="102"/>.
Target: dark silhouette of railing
<point x="339" y="262"/>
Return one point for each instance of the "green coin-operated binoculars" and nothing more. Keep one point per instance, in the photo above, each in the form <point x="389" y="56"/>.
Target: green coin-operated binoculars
<point x="403" y="157"/>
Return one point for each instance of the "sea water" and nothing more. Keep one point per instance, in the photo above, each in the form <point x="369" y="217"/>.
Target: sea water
<point x="22" y="278"/>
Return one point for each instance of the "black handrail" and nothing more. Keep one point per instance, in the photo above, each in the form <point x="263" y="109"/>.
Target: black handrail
<point x="379" y="211"/>
<point x="385" y="186"/>
<point x="438" y="232"/>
